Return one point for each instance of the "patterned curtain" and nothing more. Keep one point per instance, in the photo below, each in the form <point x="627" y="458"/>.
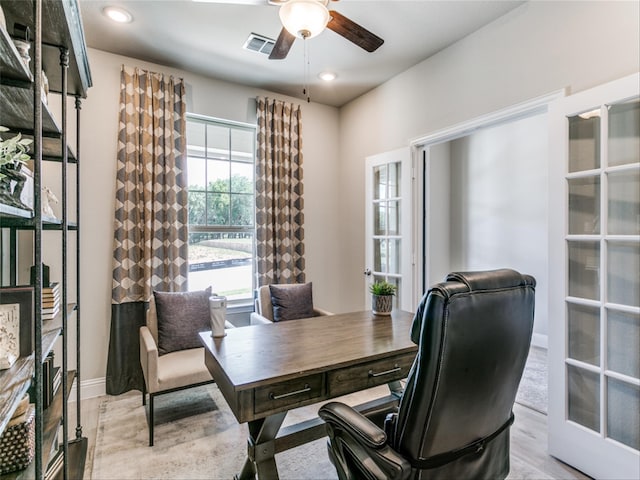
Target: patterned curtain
<point x="151" y="215"/>
<point x="279" y="190"/>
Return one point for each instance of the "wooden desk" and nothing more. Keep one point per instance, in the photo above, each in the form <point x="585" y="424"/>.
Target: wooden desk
<point x="263" y="371"/>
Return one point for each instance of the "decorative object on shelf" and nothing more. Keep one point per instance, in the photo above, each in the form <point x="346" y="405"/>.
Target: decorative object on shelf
<point x="22" y="297"/>
<point x="17" y="445"/>
<point x="23" y="48"/>
<point x="13" y="156"/>
<point x="45" y="87"/>
<point x="9" y="335"/>
<point x="22" y="41"/>
<point x="218" y="313"/>
<point x="48" y="198"/>
<point x="382" y="293"/>
<point x="45" y="276"/>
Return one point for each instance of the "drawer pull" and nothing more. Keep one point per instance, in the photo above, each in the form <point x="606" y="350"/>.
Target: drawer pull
<point x="386" y="372"/>
<point x="306" y="388"/>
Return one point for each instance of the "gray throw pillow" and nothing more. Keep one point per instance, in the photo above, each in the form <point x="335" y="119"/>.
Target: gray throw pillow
<point x="181" y="315"/>
<point x="291" y="302"/>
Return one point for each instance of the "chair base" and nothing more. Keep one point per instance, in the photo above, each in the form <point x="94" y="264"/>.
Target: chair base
<point x="150" y="412"/>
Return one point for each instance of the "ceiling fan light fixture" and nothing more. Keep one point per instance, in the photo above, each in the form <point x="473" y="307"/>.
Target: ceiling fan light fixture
<point x="304" y="18"/>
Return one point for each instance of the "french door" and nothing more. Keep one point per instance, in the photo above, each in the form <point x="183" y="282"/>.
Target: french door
<point x="389" y="250"/>
<point x="594" y="294"/>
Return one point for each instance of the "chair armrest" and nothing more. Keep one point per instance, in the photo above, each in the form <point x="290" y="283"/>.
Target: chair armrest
<point x="321" y="312"/>
<point x="257" y="319"/>
<point x="358" y="443"/>
<point x="354" y="423"/>
<point x="149" y="359"/>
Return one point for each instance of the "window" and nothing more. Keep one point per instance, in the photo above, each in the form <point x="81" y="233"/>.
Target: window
<point x="221" y="158"/>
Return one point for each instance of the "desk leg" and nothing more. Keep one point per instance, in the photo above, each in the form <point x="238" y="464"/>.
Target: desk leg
<point x="261" y="449"/>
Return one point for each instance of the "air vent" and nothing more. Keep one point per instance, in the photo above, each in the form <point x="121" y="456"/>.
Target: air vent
<point x="259" y="43"/>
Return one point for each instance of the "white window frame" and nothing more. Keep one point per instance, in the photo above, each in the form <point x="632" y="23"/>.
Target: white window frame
<point x="195" y="118"/>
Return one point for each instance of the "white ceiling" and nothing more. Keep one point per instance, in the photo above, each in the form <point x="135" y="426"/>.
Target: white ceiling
<point x="207" y="39"/>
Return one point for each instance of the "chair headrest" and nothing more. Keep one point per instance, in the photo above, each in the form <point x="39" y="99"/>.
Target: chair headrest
<point x="491" y="279"/>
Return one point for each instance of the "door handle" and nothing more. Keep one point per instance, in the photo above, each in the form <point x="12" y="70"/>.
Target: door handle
<point x="367" y="272"/>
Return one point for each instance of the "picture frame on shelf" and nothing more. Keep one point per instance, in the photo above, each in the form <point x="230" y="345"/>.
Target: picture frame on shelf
<point x="16" y="323"/>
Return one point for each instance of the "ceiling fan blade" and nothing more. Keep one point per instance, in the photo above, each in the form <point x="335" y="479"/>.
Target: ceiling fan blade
<point x="282" y="46"/>
<point x="353" y="32"/>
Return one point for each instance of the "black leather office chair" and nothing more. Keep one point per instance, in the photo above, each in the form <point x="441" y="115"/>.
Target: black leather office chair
<point x="474" y="332"/>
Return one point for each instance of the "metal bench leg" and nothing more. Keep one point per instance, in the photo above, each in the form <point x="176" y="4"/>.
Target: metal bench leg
<point x="151" y="420"/>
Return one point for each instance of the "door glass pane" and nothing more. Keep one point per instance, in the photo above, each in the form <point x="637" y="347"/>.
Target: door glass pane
<point x="380" y="182"/>
<point x="394" y="217"/>
<point x="380" y="218"/>
<point x="584" y="141"/>
<point x="624" y="133"/>
<point x="624" y="203"/>
<point x="379" y="255"/>
<point x="584" y="270"/>
<point x="623" y="412"/>
<point x="623" y="342"/>
<point x="584" y="397"/>
<point x="394" y="256"/>
<point x="394" y="179"/>
<point x="584" y="333"/>
<point x="623" y="280"/>
<point x="584" y="206"/>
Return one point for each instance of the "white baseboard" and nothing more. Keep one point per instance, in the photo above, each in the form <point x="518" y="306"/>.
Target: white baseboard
<point x="540" y="340"/>
<point x="94" y="387"/>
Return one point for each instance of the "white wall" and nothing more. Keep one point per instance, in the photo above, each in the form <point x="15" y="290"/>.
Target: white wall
<point x="207" y="97"/>
<point x="438" y="199"/>
<point x="499" y="217"/>
<point x="538" y="48"/>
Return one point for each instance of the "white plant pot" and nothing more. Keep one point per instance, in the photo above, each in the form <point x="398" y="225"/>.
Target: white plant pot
<point x="382" y="304"/>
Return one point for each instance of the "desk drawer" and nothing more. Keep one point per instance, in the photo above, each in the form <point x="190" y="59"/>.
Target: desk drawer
<point x="360" y="377"/>
<point x="289" y="394"/>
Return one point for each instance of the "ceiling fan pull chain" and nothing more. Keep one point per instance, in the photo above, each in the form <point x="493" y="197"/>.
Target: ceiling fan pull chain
<point x="306" y="90"/>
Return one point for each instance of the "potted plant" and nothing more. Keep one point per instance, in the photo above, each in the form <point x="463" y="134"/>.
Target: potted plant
<point x="13" y="154"/>
<point x="382" y="293"/>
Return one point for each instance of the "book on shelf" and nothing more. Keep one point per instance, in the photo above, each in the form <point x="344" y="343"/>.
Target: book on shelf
<point x="53" y="309"/>
<point x="50" y="303"/>
<point x="53" y="291"/>
<point x="50" y="316"/>
<point x="57" y="380"/>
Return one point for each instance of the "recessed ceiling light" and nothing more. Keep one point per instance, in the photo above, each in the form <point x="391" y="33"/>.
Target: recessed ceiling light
<point x="327" y="76"/>
<point x="118" y="14"/>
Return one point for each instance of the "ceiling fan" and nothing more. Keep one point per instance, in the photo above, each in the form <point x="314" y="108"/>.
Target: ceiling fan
<point x="307" y="18"/>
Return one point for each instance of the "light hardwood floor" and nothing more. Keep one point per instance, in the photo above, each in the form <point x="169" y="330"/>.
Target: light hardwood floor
<point x="528" y="442"/>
